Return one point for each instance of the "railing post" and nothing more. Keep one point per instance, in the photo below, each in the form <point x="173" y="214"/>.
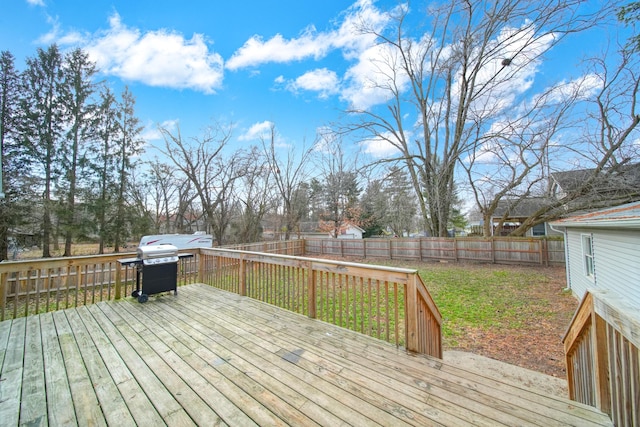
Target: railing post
<point x="4" y="284"/>
<point x="311" y="290"/>
<point x="411" y="314"/>
<point x="601" y="363"/>
<point x="243" y="277"/>
<point x="118" y="280"/>
<point x="201" y="264"/>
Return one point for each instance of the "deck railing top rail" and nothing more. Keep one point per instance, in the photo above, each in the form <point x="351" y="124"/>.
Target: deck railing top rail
<point x="42" y="263"/>
<point x="341" y="292"/>
<point x="249" y="255"/>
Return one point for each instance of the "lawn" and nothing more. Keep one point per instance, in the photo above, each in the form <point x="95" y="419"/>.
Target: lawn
<point x="510" y="313"/>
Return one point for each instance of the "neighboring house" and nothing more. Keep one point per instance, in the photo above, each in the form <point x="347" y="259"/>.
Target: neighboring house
<point x="517" y="211"/>
<point x="612" y="187"/>
<point x="602" y="251"/>
<point x="350" y="231"/>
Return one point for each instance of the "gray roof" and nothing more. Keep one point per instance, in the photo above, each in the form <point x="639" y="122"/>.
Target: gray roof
<point x="609" y="181"/>
<point x="624" y="216"/>
<point x="520" y="208"/>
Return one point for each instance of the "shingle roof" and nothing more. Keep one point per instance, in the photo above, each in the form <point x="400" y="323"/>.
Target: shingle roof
<point x="610" y="180"/>
<point x="520" y="208"/>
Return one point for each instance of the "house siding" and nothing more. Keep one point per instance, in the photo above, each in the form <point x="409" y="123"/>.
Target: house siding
<point x="616" y="255"/>
<point x="580" y="282"/>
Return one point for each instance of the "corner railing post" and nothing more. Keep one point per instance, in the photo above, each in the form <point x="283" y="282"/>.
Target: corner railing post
<point x="601" y="363"/>
<point x="411" y="314"/>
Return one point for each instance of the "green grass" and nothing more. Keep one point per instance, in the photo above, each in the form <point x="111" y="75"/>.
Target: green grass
<point x="481" y="298"/>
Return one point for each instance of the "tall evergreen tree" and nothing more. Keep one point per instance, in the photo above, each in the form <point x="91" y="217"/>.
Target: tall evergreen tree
<point x="129" y="144"/>
<point x="103" y="163"/>
<point x="9" y="98"/>
<point x="42" y="126"/>
<point x="78" y="90"/>
<point x="402" y="207"/>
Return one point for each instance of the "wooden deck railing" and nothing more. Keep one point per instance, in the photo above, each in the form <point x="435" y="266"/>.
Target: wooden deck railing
<point x="392" y="304"/>
<point x="42" y="285"/>
<point x="388" y="303"/>
<point x="601" y="348"/>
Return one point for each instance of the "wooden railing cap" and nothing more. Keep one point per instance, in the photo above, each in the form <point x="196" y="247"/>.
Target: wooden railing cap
<point x="264" y="255"/>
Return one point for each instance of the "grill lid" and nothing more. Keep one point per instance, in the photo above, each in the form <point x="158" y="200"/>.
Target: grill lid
<point x="157" y="251"/>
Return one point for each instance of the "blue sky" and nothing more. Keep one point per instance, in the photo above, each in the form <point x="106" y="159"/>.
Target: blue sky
<point x="296" y="64"/>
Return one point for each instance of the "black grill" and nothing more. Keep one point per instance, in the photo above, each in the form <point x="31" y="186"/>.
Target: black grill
<point x="156" y="270"/>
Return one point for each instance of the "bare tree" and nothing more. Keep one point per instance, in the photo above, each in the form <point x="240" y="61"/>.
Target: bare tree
<point x="211" y="175"/>
<point x="607" y="150"/>
<point x="164" y="186"/>
<point x="474" y="63"/>
<point x="340" y="190"/>
<point x="255" y="196"/>
<point x="511" y="160"/>
<point x="290" y="171"/>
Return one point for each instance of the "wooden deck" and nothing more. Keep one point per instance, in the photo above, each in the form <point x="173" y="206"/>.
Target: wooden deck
<point x="208" y="357"/>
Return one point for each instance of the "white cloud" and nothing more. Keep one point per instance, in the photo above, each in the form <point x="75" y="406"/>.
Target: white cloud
<point x="322" y="80"/>
<point x="36" y="2"/>
<point x="380" y="147"/>
<point x="257" y="131"/>
<point x="368" y="81"/>
<point x="256" y="51"/>
<point x="584" y="87"/>
<point x="156" y="58"/>
<point x="152" y="131"/>
<point x="353" y="37"/>
<point x="312" y="43"/>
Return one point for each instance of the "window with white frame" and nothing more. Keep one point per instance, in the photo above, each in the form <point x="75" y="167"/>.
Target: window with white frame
<point x="587" y="254"/>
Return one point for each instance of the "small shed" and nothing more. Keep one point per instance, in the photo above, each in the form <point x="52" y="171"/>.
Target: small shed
<point x="602" y="251"/>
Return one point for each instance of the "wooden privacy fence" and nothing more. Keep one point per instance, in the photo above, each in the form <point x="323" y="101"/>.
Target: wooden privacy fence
<point x="601" y="349"/>
<point x="387" y="303"/>
<point x="42" y="285"/>
<point x="500" y="250"/>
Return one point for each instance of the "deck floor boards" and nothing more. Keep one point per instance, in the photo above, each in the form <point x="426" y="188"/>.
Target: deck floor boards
<point x="208" y="357"/>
